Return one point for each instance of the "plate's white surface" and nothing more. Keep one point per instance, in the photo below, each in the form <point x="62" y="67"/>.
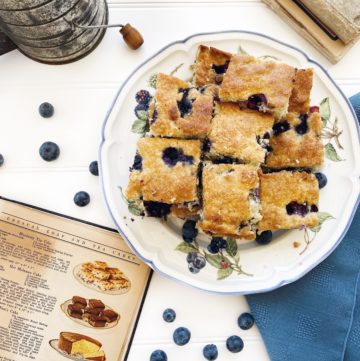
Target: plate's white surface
<point x="154" y="240"/>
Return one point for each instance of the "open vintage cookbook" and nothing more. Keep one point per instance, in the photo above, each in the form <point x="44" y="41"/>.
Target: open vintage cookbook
<point x="68" y="289"/>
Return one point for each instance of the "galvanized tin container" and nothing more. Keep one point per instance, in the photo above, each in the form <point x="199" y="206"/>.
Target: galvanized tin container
<point x="44" y="30"/>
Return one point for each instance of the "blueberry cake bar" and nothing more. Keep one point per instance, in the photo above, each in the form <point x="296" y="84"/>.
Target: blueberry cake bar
<point x="179" y="110"/>
<point x="238" y="135"/>
<point x="262" y="85"/>
<point x="230" y="202"/>
<point x="299" y="101"/>
<point x="210" y="66"/>
<point x="288" y="200"/>
<point x="165" y="174"/>
<point x="296" y="142"/>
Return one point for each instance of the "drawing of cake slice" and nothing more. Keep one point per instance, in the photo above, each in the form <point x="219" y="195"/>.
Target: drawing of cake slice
<point x="77" y="345"/>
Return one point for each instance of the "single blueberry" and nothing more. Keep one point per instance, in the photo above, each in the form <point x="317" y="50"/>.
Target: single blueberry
<point x="266" y="135"/>
<point x="221" y="69"/>
<point x="206" y="145"/>
<point x="189" y="231"/>
<point x="268" y="148"/>
<point x="46" y="110"/>
<point x="234" y="344"/>
<point x="143" y="97"/>
<point x="280" y="127"/>
<point x="158" y="355"/>
<point x="185" y="104"/>
<point x="256" y="101"/>
<point x="322" y="179"/>
<point x="157" y="209"/>
<point x="137" y="165"/>
<point x="302" y="128"/>
<point x="199" y="261"/>
<point x="192" y="268"/>
<point x="82" y="199"/>
<point x="210" y="352"/>
<point x="1" y="160"/>
<point x="94" y="168"/>
<point x="314" y="208"/>
<point x="190" y="258"/>
<point x="49" y="151"/>
<point x="246" y="321"/>
<point x="169" y="315"/>
<point x="181" y="336"/>
<point x="264" y="237"/>
<point x="297" y="208"/>
<point x="213" y="248"/>
<point x="141" y="107"/>
<point x="171" y="156"/>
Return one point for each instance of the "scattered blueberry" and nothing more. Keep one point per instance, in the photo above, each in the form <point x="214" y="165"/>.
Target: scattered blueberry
<point x="264" y="237"/>
<point x="181" y="336"/>
<point x="189" y="231"/>
<point x="1" y="160"/>
<point x="137" y="165"/>
<point x="280" y="127"/>
<point x="221" y="69"/>
<point x="206" y="145"/>
<point x="141" y="108"/>
<point x="82" y="199"/>
<point x="266" y="135"/>
<point x="143" y="97"/>
<point x="157" y="209"/>
<point x="169" y="315"/>
<point x="210" y="352"/>
<point x="158" y="355"/>
<point x="46" y="110"/>
<point x="234" y="344"/>
<point x="171" y="156"/>
<point x="49" y="151"/>
<point x="256" y="101"/>
<point x="185" y="104"/>
<point x="302" y="128"/>
<point x="246" y="321"/>
<point x="321" y="177"/>
<point x="297" y="208"/>
<point x="94" y="168"/>
<point x="314" y="208"/>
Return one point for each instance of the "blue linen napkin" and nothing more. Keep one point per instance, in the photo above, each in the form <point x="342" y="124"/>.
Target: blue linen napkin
<point x="318" y="317"/>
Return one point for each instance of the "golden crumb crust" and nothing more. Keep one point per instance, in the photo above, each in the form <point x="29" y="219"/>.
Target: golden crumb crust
<point x="279" y="189"/>
<point x="203" y="68"/>
<point x="168" y="121"/>
<point x="234" y="133"/>
<point x="160" y="182"/>
<point x="226" y="204"/>
<point x="299" y="101"/>
<point x="290" y="149"/>
<point x="248" y="75"/>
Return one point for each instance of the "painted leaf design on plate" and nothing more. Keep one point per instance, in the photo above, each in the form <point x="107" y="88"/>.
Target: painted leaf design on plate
<point x="139" y="126"/>
<point x="152" y="81"/>
<point x="231" y="247"/>
<point x="330" y="153"/>
<point x="186" y="247"/>
<point x="214" y="260"/>
<point x="242" y="51"/>
<point x="224" y="273"/>
<point x="325" y="110"/>
<point x="322" y="217"/>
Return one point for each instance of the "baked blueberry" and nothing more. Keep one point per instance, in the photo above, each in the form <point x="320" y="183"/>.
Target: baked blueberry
<point x="49" y="151"/>
<point x="94" y="168"/>
<point x="137" y="165"/>
<point x="189" y="231"/>
<point x="181" y="336"/>
<point x="157" y="209"/>
<point x="266" y="135"/>
<point x="297" y="208"/>
<point x="185" y="104"/>
<point x="264" y="237"/>
<point x="1" y="160"/>
<point x="169" y="315"/>
<point x="256" y="101"/>
<point x="46" y="110"/>
<point x="314" y="208"/>
<point x="280" y="127"/>
<point x="143" y="97"/>
<point x="82" y="199"/>
<point x="141" y="107"/>
<point x="206" y="145"/>
<point x="224" y="160"/>
<point x="171" y="156"/>
<point x="234" y="344"/>
<point x="321" y="177"/>
<point x="246" y="321"/>
<point x="302" y="128"/>
<point x="154" y="116"/>
<point x="221" y="69"/>
<point x="210" y="352"/>
<point x="158" y="355"/>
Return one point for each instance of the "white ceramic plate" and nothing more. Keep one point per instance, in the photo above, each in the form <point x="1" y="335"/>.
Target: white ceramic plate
<point x="287" y="257"/>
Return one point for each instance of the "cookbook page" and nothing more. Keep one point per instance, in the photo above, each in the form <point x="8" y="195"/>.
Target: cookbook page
<point x="67" y="289"/>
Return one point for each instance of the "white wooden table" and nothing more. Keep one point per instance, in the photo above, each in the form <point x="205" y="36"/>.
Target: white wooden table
<point x="81" y="93"/>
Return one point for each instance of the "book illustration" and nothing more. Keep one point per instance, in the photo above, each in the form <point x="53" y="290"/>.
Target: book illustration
<point x="91" y="313"/>
<point x="76" y="346"/>
<point x="98" y="276"/>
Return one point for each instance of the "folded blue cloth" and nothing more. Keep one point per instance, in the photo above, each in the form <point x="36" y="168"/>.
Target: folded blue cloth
<point x="318" y="317"/>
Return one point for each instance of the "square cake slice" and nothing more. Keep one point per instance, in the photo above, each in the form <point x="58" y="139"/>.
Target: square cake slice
<point x="179" y="110"/>
<point x="288" y="200"/>
<point x="264" y="85"/>
<point x="164" y="174"/>
<point x="230" y="202"/>
<point x="239" y="134"/>
<point x="210" y="65"/>
<point x="300" y="96"/>
<point x="296" y="142"/>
